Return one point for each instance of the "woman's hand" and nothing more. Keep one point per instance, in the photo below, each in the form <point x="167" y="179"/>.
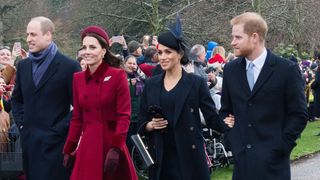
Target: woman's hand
<point x="69" y="159"/>
<point x="112" y="160"/>
<point x="229" y="121"/>
<point x="156" y="124"/>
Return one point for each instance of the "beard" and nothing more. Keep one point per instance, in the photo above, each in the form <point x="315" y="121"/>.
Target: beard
<point x="245" y="52"/>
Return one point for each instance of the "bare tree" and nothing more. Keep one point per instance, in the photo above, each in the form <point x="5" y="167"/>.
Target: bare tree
<point x="5" y="7"/>
<point x="290" y="21"/>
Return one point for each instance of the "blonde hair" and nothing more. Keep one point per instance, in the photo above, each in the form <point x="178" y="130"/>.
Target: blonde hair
<point x="252" y="23"/>
<point x="45" y="23"/>
<point x="230" y="57"/>
<point x="219" y="50"/>
<point x="146" y="40"/>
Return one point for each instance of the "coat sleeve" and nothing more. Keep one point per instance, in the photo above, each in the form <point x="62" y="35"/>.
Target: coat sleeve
<point x="208" y="108"/>
<point x="296" y="118"/>
<point x="123" y="108"/>
<point x="76" y="122"/>
<point x="63" y="125"/>
<point x="226" y="104"/>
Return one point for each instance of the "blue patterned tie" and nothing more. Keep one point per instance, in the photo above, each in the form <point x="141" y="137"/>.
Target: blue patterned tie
<point x="250" y="75"/>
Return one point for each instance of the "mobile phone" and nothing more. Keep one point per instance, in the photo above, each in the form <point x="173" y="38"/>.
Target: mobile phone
<point x="17" y="46"/>
<point x="117" y="39"/>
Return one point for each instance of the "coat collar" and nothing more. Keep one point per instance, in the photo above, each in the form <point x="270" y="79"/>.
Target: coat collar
<point x="186" y="83"/>
<point x="266" y="71"/>
<point x="98" y="73"/>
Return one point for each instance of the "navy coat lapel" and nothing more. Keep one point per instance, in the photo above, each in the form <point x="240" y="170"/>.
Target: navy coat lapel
<point x="29" y="73"/>
<point x="157" y="91"/>
<point x="265" y="73"/>
<point x="52" y="69"/>
<point x="185" y="86"/>
<point x="243" y="76"/>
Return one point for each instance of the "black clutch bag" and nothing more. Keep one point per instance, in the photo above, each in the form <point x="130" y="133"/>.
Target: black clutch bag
<point x="142" y="149"/>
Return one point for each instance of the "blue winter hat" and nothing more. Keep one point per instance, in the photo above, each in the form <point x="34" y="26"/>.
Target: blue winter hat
<point x="212" y="45"/>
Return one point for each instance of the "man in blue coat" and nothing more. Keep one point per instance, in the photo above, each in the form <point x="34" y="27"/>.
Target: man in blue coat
<point x="265" y="93"/>
<point x="41" y="102"/>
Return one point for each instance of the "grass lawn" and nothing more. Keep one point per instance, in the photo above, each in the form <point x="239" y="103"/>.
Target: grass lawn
<point x="307" y="144"/>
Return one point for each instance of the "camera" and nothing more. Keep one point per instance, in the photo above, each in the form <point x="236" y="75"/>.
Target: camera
<point x="8" y="87"/>
<point x="210" y="69"/>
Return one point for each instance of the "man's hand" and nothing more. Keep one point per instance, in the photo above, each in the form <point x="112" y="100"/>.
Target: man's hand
<point x="229" y="121"/>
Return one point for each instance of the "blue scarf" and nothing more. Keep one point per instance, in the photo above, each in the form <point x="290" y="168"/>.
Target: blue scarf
<point x="41" y="61"/>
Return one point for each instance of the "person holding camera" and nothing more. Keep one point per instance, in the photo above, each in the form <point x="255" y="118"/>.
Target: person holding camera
<point x="136" y="80"/>
<point x="169" y="115"/>
<point x="101" y="114"/>
<point x="197" y="62"/>
<point x="4" y="116"/>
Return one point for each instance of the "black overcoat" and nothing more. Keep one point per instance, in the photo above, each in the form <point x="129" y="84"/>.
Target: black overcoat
<point x="187" y="126"/>
<point x="315" y="86"/>
<point x="43" y="113"/>
<point x="268" y="119"/>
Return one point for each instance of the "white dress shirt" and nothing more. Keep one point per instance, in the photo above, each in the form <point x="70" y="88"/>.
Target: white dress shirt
<point x="258" y="64"/>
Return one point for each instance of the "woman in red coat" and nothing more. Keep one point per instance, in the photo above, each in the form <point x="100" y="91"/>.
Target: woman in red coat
<point x="101" y="114"/>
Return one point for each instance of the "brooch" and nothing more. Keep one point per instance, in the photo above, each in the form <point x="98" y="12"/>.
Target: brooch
<point x="107" y="78"/>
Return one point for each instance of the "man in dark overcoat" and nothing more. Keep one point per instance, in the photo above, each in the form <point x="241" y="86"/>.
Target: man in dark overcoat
<point x="41" y="102"/>
<point x="265" y="93"/>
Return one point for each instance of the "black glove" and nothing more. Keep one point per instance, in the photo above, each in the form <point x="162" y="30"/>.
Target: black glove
<point x="112" y="160"/>
<point x="68" y="160"/>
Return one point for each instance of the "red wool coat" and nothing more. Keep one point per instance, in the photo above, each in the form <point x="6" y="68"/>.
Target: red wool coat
<point x="101" y="116"/>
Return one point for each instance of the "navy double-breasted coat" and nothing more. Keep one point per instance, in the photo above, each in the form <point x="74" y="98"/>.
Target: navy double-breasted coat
<point x="192" y="96"/>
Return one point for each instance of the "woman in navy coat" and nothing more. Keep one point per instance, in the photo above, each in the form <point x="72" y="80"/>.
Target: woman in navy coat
<point x="169" y="115"/>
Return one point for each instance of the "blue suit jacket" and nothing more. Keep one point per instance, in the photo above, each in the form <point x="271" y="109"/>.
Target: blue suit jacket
<point x="268" y="119"/>
<point x="43" y="113"/>
<point x="194" y="95"/>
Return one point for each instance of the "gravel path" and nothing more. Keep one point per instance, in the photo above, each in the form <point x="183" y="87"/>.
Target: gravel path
<point x="306" y="169"/>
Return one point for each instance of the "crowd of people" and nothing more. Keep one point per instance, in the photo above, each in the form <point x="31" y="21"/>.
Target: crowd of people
<point x="76" y="117"/>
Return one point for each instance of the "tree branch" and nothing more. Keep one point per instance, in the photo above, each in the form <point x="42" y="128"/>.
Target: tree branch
<point x="124" y="17"/>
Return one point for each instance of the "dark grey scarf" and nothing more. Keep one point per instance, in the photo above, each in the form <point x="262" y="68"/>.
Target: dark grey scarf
<point x="41" y="61"/>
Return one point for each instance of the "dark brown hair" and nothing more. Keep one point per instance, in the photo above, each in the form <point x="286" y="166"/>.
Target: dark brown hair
<point x="109" y="57"/>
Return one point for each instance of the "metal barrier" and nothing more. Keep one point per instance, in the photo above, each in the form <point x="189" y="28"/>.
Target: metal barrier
<point x="10" y="155"/>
